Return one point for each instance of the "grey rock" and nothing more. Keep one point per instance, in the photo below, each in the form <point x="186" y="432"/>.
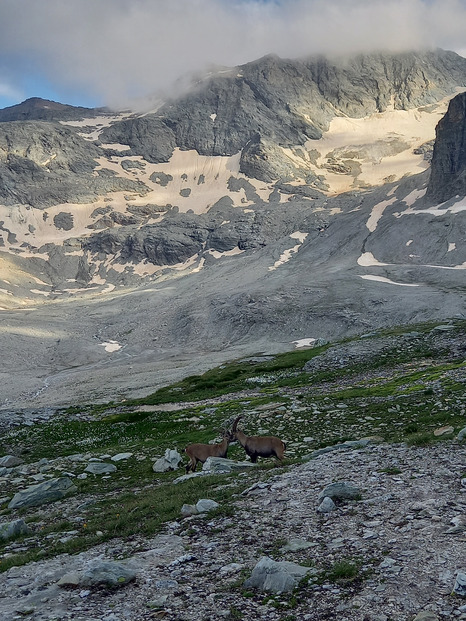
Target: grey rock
<point x="222" y="464"/>
<point x="42" y="493"/>
<point x="275" y="576"/>
<point x="72" y="579"/>
<point x="192" y="475"/>
<point x="460" y="584"/>
<point x="349" y="444"/>
<point x="426" y="615"/>
<point x="296" y="545"/>
<point x="170" y="461"/>
<point x="121" y="456"/>
<point x="10" y="461"/>
<point x="461" y="435"/>
<point x="340" y="491"/>
<point x="204" y="505"/>
<point x="96" y="467"/>
<point x="10" y="530"/>
<point x="327" y="505"/>
<point x="108" y="573"/>
<point x="188" y="510"/>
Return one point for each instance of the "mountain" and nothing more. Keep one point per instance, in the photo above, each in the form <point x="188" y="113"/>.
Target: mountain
<point x="275" y="203"/>
<point x="37" y="109"/>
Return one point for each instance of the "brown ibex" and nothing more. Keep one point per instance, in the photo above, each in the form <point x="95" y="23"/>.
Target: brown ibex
<point x="258" y="446"/>
<point x="200" y="452"/>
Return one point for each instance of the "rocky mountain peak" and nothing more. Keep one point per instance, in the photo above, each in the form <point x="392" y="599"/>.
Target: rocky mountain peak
<point x="448" y="170"/>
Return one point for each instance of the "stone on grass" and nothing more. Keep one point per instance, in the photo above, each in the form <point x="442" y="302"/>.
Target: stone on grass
<point x="10" y="461"/>
<point x="99" y="467"/>
<point x="221" y="464"/>
<point x="340" y="491"/>
<point x="121" y="456"/>
<point x="326" y="506"/>
<point x="275" y="576"/>
<point x="460" y="584"/>
<point x="188" y="510"/>
<point x="186" y="477"/>
<point x="170" y="461"/>
<point x="204" y="505"/>
<point x="42" y="493"/>
<point x="461" y="435"/>
<point x="443" y="431"/>
<point x="13" y="529"/>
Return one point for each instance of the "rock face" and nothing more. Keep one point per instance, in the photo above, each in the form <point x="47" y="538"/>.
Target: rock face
<point x="286" y="102"/>
<point x="448" y="171"/>
<point x="43" y="164"/>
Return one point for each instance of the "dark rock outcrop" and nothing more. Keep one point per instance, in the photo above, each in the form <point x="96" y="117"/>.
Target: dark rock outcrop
<point x="37" y="109"/>
<point x="448" y="170"/>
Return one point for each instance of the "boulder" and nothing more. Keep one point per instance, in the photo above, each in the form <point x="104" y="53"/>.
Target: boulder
<point x="204" y="505"/>
<point x="98" y="467"/>
<point x="460" y="584"/>
<point x="326" y="506"/>
<point x="106" y="573"/>
<point x="10" y="530"/>
<point x="221" y="464"/>
<point x="340" y="491"/>
<point x="10" y="461"/>
<point x="170" y="461"/>
<point x="275" y="576"/>
<point x="42" y="493"/>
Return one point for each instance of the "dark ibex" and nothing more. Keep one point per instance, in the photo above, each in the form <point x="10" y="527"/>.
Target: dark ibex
<point x="258" y="446"/>
<point x="200" y="452"/>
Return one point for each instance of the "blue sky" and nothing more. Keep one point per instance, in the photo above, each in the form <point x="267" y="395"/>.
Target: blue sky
<point x="107" y="52"/>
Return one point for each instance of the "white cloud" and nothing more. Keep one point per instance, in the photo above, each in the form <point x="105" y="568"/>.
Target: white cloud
<point x="116" y="49"/>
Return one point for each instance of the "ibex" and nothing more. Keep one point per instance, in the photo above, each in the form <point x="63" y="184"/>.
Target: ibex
<point x="200" y="452"/>
<point x="258" y="446"/>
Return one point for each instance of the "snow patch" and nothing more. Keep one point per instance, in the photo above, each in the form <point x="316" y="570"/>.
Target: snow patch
<point x="304" y="342"/>
<point x="110" y="346"/>
<point x="367" y="259"/>
<point x="377" y="213"/>
<point x="286" y="256"/>
<point x="387" y="280"/>
<point x="414" y="196"/>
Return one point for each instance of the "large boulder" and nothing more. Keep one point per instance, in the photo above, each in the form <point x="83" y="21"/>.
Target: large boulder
<point x="43" y="493"/>
<point x="170" y="461"/>
<point x="275" y="576"/>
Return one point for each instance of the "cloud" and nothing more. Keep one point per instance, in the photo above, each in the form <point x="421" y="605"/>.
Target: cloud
<point x="116" y="50"/>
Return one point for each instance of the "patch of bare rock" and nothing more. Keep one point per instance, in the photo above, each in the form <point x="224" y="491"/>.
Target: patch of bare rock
<point x="397" y="514"/>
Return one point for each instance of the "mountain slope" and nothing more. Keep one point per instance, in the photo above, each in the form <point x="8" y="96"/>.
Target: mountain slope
<point x="125" y="249"/>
